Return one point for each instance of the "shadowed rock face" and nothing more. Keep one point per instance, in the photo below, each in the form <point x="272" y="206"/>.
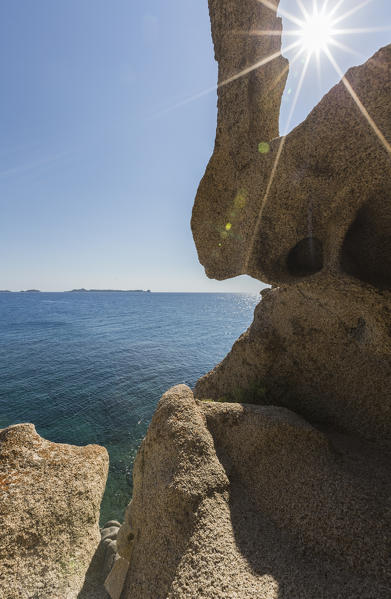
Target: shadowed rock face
<point x="311" y="214"/>
<point x="50" y="497"/>
<point x="248" y="114"/>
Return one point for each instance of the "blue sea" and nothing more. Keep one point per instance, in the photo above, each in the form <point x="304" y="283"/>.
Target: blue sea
<point x="91" y="367"/>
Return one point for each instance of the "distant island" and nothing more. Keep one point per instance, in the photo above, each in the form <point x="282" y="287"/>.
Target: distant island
<point x="109" y="291"/>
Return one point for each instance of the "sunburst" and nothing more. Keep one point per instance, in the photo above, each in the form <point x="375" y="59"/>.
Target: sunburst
<point x="314" y="33"/>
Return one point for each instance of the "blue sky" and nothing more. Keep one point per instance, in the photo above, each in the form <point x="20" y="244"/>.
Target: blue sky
<point x="100" y="151"/>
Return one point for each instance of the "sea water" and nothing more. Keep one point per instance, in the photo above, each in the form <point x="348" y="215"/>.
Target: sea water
<point x="90" y="367"/>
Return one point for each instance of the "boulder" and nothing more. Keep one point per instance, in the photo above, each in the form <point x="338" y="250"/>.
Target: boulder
<point x="242" y="501"/>
<point x="322" y="351"/>
<point x="50" y="498"/>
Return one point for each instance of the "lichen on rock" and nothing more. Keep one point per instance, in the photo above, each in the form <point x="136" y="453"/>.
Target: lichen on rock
<point x="50" y="497"/>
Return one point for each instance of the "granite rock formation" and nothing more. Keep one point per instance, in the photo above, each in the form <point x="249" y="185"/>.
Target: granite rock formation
<point x="288" y="498"/>
<point x="241" y="501"/>
<point x="310" y="213"/>
<point x="323" y="351"/>
<point x="50" y="497"/>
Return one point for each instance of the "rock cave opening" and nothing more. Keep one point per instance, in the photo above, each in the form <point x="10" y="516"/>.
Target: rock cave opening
<point x="306" y="258"/>
<point x="366" y="250"/>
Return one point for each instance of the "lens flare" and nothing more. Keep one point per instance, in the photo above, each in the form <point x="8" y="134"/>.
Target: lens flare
<point x="317" y="32"/>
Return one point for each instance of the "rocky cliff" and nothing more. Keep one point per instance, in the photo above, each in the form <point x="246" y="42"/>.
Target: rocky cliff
<point x="288" y="498"/>
<point x="312" y="217"/>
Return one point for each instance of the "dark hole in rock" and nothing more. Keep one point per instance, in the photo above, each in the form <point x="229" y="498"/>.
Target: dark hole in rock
<point x="306" y="258"/>
<point x="366" y="250"/>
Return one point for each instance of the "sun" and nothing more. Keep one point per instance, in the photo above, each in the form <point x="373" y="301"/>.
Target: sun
<point x="316" y="32"/>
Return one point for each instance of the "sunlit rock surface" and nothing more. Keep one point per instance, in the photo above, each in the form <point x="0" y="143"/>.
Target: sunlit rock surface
<point x="250" y="501"/>
<point x="50" y="497"/>
<point x="320" y="350"/>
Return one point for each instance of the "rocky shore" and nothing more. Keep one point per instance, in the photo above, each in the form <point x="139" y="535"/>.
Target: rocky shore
<point x="279" y="488"/>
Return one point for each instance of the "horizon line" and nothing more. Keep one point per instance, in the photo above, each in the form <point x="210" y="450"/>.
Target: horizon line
<point x="81" y="290"/>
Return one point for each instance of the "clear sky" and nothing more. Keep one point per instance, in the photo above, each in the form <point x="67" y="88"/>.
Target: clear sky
<point x="100" y="151"/>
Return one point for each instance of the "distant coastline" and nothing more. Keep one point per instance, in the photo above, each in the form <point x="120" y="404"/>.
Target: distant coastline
<point x="82" y="290"/>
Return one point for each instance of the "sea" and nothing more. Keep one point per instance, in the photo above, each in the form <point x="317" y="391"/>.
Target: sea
<point x="90" y="367"/>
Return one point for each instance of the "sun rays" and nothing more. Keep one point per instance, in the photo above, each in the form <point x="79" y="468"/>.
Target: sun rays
<point x="316" y="35"/>
<point x="313" y="35"/>
<point x="277" y="159"/>
<point x="317" y="29"/>
<point x="315" y="32"/>
<point x="360" y="106"/>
